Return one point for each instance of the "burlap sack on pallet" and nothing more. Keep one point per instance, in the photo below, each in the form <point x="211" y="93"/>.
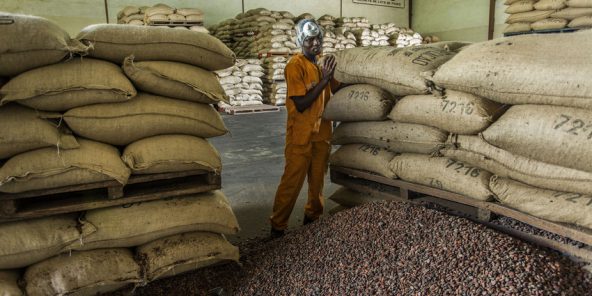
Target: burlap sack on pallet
<point x="364" y="157"/>
<point x="455" y="112"/>
<point x="177" y="254"/>
<point x="362" y="102"/>
<point x="563" y="207"/>
<point x="59" y="87"/>
<point x="475" y="151"/>
<point x="553" y="69"/>
<point x="520" y="6"/>
<point x="350" y="198"/>
<point x="394" y="136"/>
<point x="517" y="27"/>
<point x="551" y="134"/>
<point x="171" y="153"/>
<point x="148" y="221"/>
<point x="368" y="64"/>
<point x="443" y="173"/>
<point x="30" y="241"/>
<point x="579" y="3"/>
<point x="549" y="24"/>
<point x="581" y="22"/>
<point x="144" y="116"/>
<point x="24" y="129"/>
<point x="571" y="13"/>
<point x="8" y="283"/>
<point x="115" y="42"/>
<point x="28" y="42"/>
<point x="175" y="80"/>
<point x="49" y="168"/>
<point x="529" y="16"/>
<point x="83" y="273"/>
<point x="549" y="4"/>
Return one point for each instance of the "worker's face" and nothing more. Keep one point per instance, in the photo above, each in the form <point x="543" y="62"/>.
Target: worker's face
<point x="312" y="45"/>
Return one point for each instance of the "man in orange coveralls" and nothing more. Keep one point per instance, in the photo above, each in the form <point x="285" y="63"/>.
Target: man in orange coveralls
<point x="308" y="135"/>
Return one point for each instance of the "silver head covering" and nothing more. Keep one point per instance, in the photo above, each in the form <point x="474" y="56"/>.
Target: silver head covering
<point x="307" y="28"/>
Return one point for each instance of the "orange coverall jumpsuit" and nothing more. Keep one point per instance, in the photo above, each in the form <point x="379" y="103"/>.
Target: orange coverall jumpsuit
<point x="307" y="144"/>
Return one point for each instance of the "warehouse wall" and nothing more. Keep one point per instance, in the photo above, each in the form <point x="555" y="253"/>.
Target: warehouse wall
<point x="73" y="15"/>
<point x="465" y="20"/>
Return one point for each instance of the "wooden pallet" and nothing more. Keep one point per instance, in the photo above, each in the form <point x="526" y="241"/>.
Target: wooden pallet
<point x="240" y="110"/>
<point x="140" y="188"/>
<point x="548" y="31"/>
<point x="175" y="23"/>
<point x="479" y="211"/>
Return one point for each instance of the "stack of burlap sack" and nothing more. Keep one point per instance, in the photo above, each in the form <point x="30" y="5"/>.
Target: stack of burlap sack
<point x="352" y="22"/>
<point x="509" y="119"/>
<point x="527" y="15"/>
<point x="334" y="41"/>
<point x="223" y="31"/>
<point x="371" y="37"/>
<point x="103" y="116"/>
<point x="242" y="83"/>
<point x="160" y="13"/>
<point x="275" y="88"/>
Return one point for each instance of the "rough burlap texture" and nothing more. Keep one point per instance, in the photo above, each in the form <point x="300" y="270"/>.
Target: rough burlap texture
<point x="149" y="221"/>
<point x="47" y="168"/>
<point x="549" y="4"/>
<point x="146" y="43"/>
<point x="180" y="253"/>
<point x="551" y="205"/>
<point x="579" y="3"/>
<point x="517" y="27"/>
<point x="549" y="24"/>
<point x="171" y="153"/>
<point x="24" y="129"/>
<point x="551" y="134"/>
<point x="550" y="69"/>
<point x="581" y="22"/>
<point x="63" y="86"/>
<point x="475" y="151"/>
<point x="175" y="80"/>
<point x="443" y="173"/>
<point x="8" y="283"/>
<point x="529" y="16"/>
<point x="364" y="157"/>
<point x="83" y="273"/>
<point x="368" y="64"/>
<point x="144" y="116"/>
<point x="455" y="112"/>
<point x="28" y="42"/>
<point x="520" y="6"/>
<point x="362" y="102"/>
<point x="571" y="13"/>
<point x="394" y="136"/>
<point x="30" y="241"/>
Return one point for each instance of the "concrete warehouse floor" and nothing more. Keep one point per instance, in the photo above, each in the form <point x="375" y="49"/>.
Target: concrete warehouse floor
<point x="252" y="166"/>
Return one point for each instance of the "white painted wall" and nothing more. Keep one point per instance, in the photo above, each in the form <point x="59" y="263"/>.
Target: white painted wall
<point x="462" y="20"/>
<point x="73" y="15"/>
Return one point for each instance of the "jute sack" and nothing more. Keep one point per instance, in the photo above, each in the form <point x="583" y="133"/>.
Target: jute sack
<point x="394" y="136"/>
<point x="520" y="6"/>
<point x="364" y="157"/>
<point x="556" y="135"/>
<point x="549" y="4"/>
<point x="59" y="87"/>
<point x="83" y="273"/>
<point x="581" y="22"/>
<point x="443" y="173"/>
<point x="579" y="3"/>
<point x="563" y="207"/>
<point x="148" y="221"/>
<point x="24" y="129"/>
<point x="367" y="64"/>
<point x="8" y="283"/>
<point x="454" y="46"/>
<point x="177" y="254"/>
<point x="146" y="43"/>
<point x="571" y="13"/>
<point x="529" y="16"/>
<point x="362" y="102"/>
<point x="552" y="69"/>
<point x="549" y="23"/>
<point x="475" y="151"/>
<point x="175" y="80"/>
<point x="517" y="27"/>
<point x="510" y="2"/>
<point x="28" y="42"/>
<point x="455" y="112"/>
<point x="349" y="198"/>
<point x="30" y="241"/>
<point x="144" y="116"/>
<point x="171" y="153"/>
<point x="49" y="168"/>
